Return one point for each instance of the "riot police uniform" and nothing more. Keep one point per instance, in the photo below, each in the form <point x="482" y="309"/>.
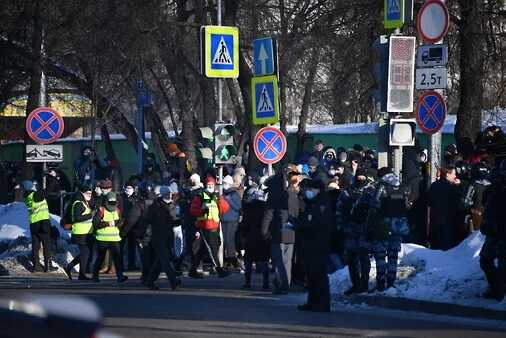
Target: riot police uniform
<point x="388" y="224"/>
<point x="351" y="211"/>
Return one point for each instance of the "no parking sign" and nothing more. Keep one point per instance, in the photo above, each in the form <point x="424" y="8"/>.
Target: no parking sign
<point x="44" y="125"/>
<point x="431" y="112"/>
<point x="269" y="145"/>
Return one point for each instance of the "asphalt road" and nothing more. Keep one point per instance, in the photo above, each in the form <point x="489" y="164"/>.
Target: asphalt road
<point x="215" y="307"/>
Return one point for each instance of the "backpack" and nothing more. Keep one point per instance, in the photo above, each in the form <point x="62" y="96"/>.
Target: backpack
<point x="66" y="220"/>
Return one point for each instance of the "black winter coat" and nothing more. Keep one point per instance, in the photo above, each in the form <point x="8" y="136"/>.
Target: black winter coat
<point x="161" y="218"/>
<point x="313" y="225"/>
<point x="276" y="213"/>
<point x="257" y="248"/>
<point x="133" y="208"/>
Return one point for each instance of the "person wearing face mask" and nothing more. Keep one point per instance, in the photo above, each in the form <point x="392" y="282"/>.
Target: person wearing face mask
<point x="107" y="222"/>
<point x="195" y="187"/>
<point x="351" y="212"/>
<point x="133" y="208"/>
<point x="82" y="231"/>
<point x="230" y="222"/>
<point x="162" y="217"/>
<point x="86" y="167"/>
<point x="314" y="225"/>
<point x="318" y="150"/>
<point x="103" y="188"/>
<point x="208" y="207"/>
<point x="316" y="171"/>
<point x="342" y="155"/>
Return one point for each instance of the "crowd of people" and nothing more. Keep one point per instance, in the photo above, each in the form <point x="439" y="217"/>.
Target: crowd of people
<point x="332" y="208"/>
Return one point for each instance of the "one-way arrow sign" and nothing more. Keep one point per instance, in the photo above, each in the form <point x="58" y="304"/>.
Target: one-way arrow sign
<point x="265" y="56"/>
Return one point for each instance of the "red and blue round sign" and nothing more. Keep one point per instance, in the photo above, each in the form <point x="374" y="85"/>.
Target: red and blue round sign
<point x="430" y="112"/>
<point x="44" y="125"/>
<point x="269" y="145"/>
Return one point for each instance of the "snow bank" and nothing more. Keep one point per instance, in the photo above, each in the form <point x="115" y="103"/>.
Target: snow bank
<point x="14" y="222"/>
<point x="452" y="276"/>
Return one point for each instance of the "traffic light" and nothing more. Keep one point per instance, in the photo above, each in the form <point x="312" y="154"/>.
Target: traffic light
<point x="225" y="151"/>
<point x="402" y="132"/>
<point x="205" y="143"/>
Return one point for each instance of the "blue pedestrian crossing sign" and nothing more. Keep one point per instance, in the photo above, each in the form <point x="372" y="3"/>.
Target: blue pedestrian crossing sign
<point x="265" y="99"/>
<point x="265" y="56"/>
<point x="220" y="51"/>
<point x="394" y="13"/>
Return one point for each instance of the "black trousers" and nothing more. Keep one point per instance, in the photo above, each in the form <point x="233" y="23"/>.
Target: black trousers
<point x="318" y="297"/>
<point x="229" y="247"/>
<point x="114" y="250"/>
<point x="186" y="260"/>
<point x="207" y="244"/>
<point x="40" y="232"/>
<point x="130" y="241"/>
<point x="148" y="260"/>
<point x="85" y="243"/>
<point x="359" y="265"/>
<point x="161" y="262"/>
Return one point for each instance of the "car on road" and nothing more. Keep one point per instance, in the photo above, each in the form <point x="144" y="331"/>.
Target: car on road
<point x="40" y="316"/>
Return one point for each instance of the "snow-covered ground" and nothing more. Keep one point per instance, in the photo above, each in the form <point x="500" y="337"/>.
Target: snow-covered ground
<point x="452" y="276"/>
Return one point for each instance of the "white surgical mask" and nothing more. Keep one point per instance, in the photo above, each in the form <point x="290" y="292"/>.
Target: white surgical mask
<point x="167" y="200"/>
<point x="210" y="189"/>
<point x="310" y="194"/>
<point x="129" y="191"/>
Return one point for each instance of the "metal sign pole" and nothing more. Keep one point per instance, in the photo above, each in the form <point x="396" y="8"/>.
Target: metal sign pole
<point x="220" y="118"/>
<point x="220" y="102"/>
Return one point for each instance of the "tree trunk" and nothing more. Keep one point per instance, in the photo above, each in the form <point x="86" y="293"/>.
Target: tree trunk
<point x="306" y="101"/>
<point x="116" y="171"/>
<point x="158" y="134"/>
<point x="472" y="57"/>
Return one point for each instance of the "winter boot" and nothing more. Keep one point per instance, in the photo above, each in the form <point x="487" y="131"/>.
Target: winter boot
<point x="37" y="267"/>
<point x="48" y="266"/>
<point x="352" y="290"/>
<point x="390" y="284"/>
<point x="195" y="274"/>
<point x="122" y="279"/>
<point x="84" y="277"/>
<point x="222" y="273"/>
<point x="174" y="284"/>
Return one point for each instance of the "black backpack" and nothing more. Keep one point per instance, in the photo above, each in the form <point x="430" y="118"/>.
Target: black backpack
<point x="66" y="220"/>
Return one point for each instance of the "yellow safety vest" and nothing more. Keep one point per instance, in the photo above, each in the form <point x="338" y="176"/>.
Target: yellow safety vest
<point x="37" y="211"/>
<point x="213" y="210"/>
<point x="85" y="227"/>
<point x="109" y="233"/>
